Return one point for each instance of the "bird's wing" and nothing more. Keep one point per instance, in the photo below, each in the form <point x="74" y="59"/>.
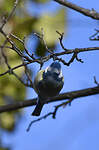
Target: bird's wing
<point x="37" y="80"/>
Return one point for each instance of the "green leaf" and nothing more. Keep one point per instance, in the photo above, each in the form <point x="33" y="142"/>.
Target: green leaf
<point x="51" y="23"/>
<point x="41" y="50"/>
<point x="7" y="121"/>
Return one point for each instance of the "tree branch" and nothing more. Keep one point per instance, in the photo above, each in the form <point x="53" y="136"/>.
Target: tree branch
<point x="11" y="14"/>
<point x="65" y="96"/>
<point x="46" y="58"/>
<point x="87" y="12"/>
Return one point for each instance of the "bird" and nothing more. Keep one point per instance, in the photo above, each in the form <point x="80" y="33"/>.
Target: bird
<point x="47" y="83"/>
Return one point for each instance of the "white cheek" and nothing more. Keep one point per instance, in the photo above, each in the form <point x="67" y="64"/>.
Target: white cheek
<point x="46" y="69"/>
<point x="60" y="75"/>
<point x="56" y="71"/>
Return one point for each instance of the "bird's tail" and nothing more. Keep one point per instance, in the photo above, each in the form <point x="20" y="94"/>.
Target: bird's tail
<point x="38" y="109"/>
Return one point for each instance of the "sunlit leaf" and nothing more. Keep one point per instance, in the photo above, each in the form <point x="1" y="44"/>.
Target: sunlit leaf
<point x="7" y="121"/>
<point x="51" y="23"/>
<point x="41" y="49"/>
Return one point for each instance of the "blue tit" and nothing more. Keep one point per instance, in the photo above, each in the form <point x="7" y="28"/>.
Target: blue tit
<point x="47" y="83"/>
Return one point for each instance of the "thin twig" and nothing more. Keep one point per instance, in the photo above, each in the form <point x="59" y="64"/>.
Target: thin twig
<point x="46" y="58"/>
<point x="87" y="12"/>
<point x="22" y="42"/>
<point x="95" y="81"/>
<point x="61" y="40"/>
<point x="43" y="117"/>
<point x="11" y="14"/>
<point x="16" y="67"/>
<point x="17" y="38"/>
<point x="95" y="36"/>
<point x="4" y="56"/>
<point x="10" y="69"/>
<point x="25" y="84"/>
<point x="53" y="114"/>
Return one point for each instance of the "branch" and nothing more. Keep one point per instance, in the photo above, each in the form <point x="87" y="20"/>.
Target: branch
<point x="4" y="56"/>
<point x="43" y="117"/>
<point x="77" y="50"/>
<point x="95" y="36"/>
<point x="30" y="59"/>
<point x="65" y="96"/>
<point x="16" y="67"/>
<point x="46" y="58"/>
<point x="53" y="113"/>
<point x="22" y="42"/>
<point x="87" y="12"/>
<point x="11" y="14"/>
<point x="95" y="81"/>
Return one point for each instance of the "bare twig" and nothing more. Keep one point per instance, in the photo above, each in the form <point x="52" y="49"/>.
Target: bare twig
<point x="41" y="37"/>
<point x="77" y="50"/>
<point x="74" y="57"/>
<point x="61" y="40"/>
<point x="46" y="58"/>
<point x="95" y="81"/>
<point x="43" y="117"/>
<point x="4" y="56"/>
<point x="10" y="15"/>
<point x="16" y="67"/>
<point x="10" y="69"/>
<point x="14" y="47"/>
<point x="17" y="38"/>
<point x="53" y="114"/>
<point x="95" y="36"/>
<point x="25" y="84"/>
<point x="87" y="12"/>
<point x="79" y="59"/>
<point x="22" y="42"/>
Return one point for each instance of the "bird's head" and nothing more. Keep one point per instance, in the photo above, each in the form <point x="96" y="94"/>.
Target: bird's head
<point x="55" y="69"/>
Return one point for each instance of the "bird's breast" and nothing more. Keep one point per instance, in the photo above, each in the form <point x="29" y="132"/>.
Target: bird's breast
<point x="49" y="87"/>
